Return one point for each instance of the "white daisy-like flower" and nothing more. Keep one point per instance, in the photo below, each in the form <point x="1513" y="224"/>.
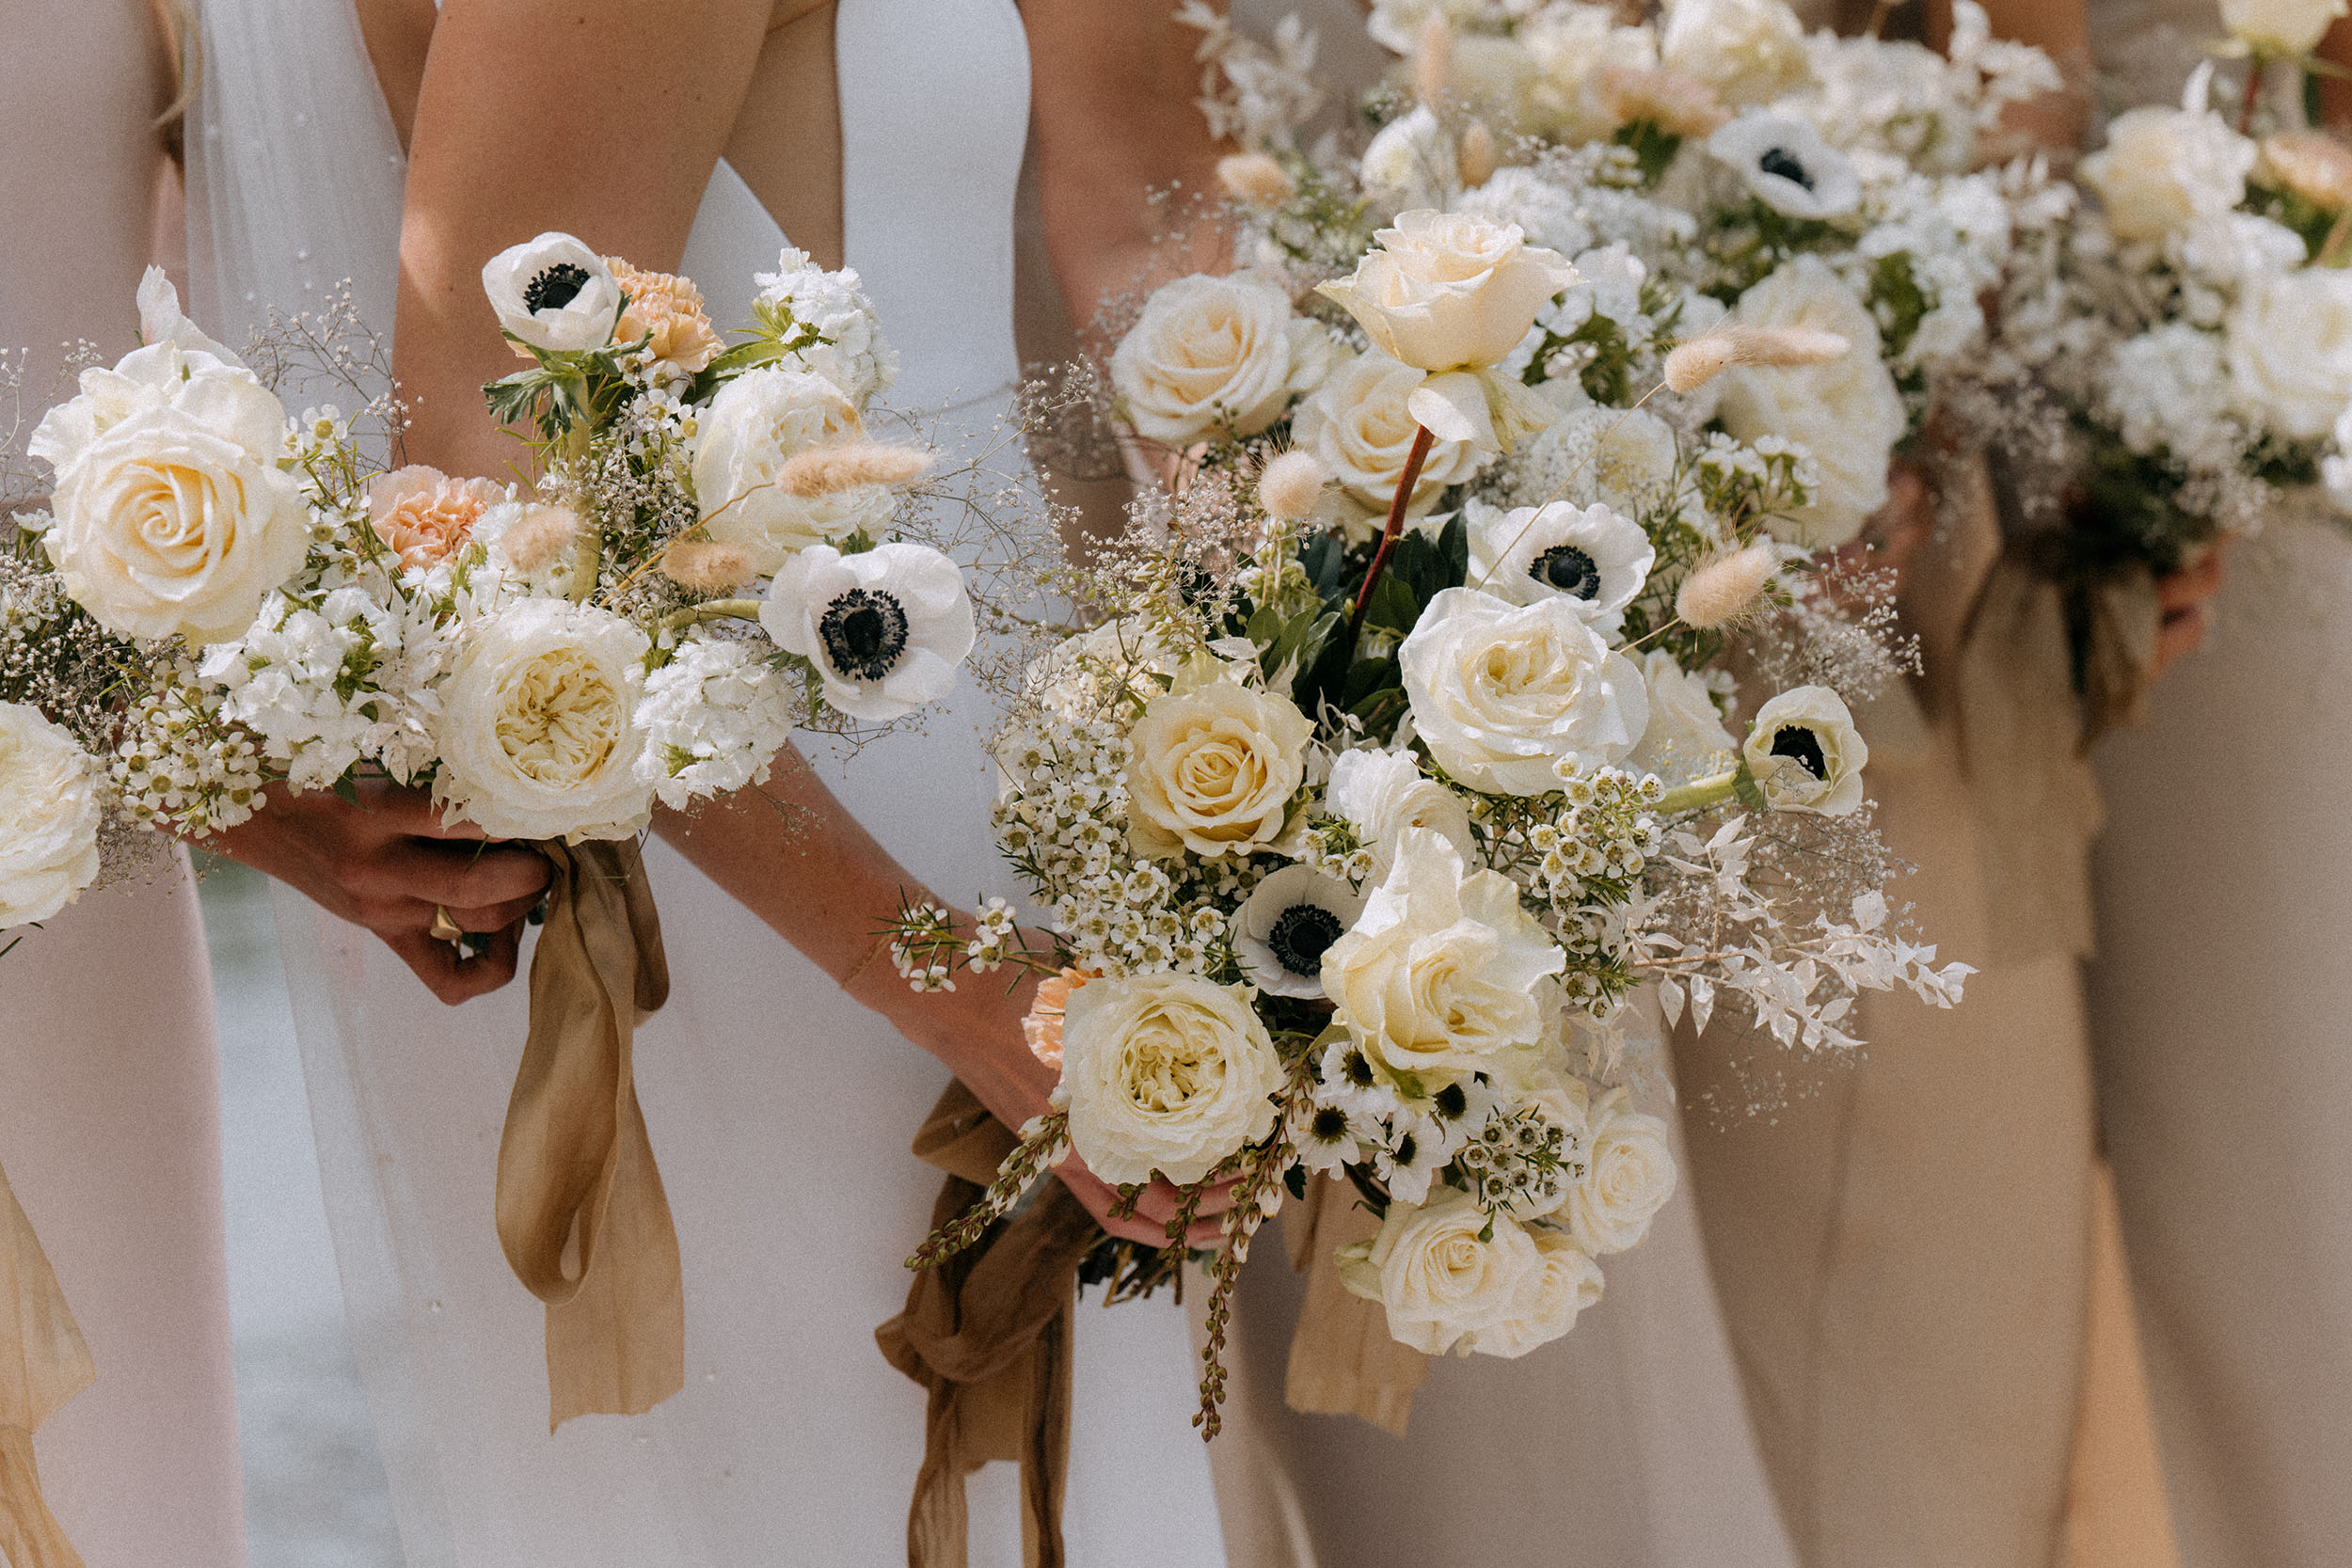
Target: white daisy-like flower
<point x="1788" y="166"/>
<point x="1591" y="557"/>
<point x="553" y="293"/>
<point x="885" y="627"/>
<point x="1416" y="1152"/>
<point x="1282" y="928"/>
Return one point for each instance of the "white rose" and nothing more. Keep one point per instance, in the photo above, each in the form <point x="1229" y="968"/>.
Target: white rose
<point x="1439" y="1282"/>
<point x="2335" y="469"/>
<point x="1411" y="163"/>
<point x="758" y="423"/>
<point x="1442" y="975"/>
<point x="161" y="319"/>
<point x="1805" y="753"/>
<point x="2290" y="348"/>
<point x="1847" y="413"/>
<point x="1212" y="766"/>
<point x="2163" y="170"/>
<point x="537" y="736"/>
<point x="1788" y="166"/>
<point x="1166" y="1074"/>
<point x="1449" y="290"/>
<point x="2276" y="27"/>
<point x="1216" y="355"/>
<point x="1287" y="923"/>
<point x="1360" y="425"/>
<point x="1505" y="695"/>
<point x="1749" y="51"/>
<point x="1686" y="736"/>
<point x="1382" y="794"/>
<point x="1589" y="558"/>
<point x="1548" y="1305"/>
<point x="49" y="814"/>
<point x="886" y="627"/>
<point x="1629" y="1176"/>
<point x="172" y="516"/>
<point x="554" y="294"/>
<point x="1577" y="48"/>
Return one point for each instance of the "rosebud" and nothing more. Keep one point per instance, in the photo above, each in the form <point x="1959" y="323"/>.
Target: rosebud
<point x="1256" y="177"/>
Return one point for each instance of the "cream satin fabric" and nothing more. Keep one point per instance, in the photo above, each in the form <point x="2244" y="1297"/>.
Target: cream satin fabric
<point x="44" y="1363"/>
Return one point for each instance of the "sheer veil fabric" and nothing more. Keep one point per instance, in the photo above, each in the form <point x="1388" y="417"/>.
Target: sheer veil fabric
<point x="780" y="1110"/>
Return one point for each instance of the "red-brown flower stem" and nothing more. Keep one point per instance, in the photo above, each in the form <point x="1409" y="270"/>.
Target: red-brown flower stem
<point x="1411" y="477"/>
<point x="2253" y="95"/>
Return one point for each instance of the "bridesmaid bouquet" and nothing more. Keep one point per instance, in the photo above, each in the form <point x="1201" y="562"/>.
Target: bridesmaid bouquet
<point x="2176" y="349"/>
<point x="1720" y="159"/>
<point x="1400" y="756"/>
<point x="221" y="597"/>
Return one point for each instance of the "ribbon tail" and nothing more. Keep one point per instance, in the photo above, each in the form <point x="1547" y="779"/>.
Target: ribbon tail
<point x="30" y="1536"/>
<point x="44" y="1362"/>
<point x="582" y="1212"/>
<point x="1344" y="1361"/>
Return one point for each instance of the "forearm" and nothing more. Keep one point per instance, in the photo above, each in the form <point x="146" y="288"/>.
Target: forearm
<point x="1115" y="122"/>
<point x="790" y="853"/>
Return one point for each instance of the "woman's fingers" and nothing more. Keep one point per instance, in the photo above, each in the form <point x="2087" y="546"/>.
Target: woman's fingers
<point x="449" y="975"/>
<point x="456" y="876"/>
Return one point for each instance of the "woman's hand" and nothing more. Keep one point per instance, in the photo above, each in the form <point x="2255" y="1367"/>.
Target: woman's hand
<point x="385" y="861"/>
<point x="2184" y="606"/>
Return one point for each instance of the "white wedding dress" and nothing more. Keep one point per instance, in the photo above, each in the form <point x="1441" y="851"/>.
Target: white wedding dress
<point x="780" y="1110"/>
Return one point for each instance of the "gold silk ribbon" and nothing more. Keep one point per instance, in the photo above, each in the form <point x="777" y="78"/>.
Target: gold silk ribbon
<point x="1342" y="1361"/>
<point x="987" y="1333"/>
<point x="580" y="1210"/>
<point x="44" y="1363"/>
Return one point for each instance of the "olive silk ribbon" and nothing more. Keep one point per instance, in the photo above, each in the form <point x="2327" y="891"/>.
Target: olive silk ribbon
<point x="582" y="1213"/>
<point x="987" y="1333"/>
<point x="44" y="1363"/>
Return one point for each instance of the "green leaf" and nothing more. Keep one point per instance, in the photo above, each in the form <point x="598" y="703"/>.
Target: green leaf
<point x="1395" y="605"/>
<point x="1749" y="793"/>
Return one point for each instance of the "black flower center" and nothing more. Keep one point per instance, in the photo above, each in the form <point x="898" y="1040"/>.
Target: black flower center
<point x="1796" y="741"/>
<point x="1451" y="1102"/>
<point x="1329" y="1126"/>
<point x="1406" y="1150"/>
<point x="1569" y="570"/>
<point x="1301" y="935"/>
<point x="1356" y="1068"/>
<point x="555" y="287"/>
<point x="864" y="633"/>
<point x="1780" y="161"/>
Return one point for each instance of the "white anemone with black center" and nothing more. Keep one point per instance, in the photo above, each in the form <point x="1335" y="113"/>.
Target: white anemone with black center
<point x="1591" y="557"/>
<point x="554" y="294"/>
<point x="1805" y="753"/>
<point x="1788" y="166"/>
<point x="1284" y="926"/>
<point x="885" y="627"/>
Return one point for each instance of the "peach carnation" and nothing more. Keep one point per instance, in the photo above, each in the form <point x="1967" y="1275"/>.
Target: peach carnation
<point x="670" y="308"/>
<point x="422" y="514"/>
<point x="1042" y="1027"/>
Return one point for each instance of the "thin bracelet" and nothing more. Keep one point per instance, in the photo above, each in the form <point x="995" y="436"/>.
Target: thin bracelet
<point x="881" y="942"/>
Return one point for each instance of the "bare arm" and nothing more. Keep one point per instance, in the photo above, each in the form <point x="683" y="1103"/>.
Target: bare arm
<point x="1114" y="83"/>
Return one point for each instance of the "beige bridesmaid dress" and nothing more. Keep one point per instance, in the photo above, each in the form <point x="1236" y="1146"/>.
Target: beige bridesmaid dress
<point x="109" y="1080"/>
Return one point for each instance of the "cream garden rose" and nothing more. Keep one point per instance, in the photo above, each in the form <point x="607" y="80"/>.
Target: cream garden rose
<point x="1216" y="355"/>
<point x="537" y="735"/>
<point x="173" y="514"/>
<point x="1629" y="1176"/>
<point x="49" y="815"/>
<point x="1846" y="413"/>
<point x="2289" y="348"/>
<point x="1505" y="695"/>
<point x="1166" y="1074"/>
<point x="1213" y="766"/>
<point x="1382" y="794"/>
<point x="2162" y="171"/>
<point x="1748" y="50"/>
<point x="1447" y="1282"/>
<point x="1686" y="735"/>
<point x="1449" y="290"/>
<point x="2277" y="28"/>
<point x="1443" y="974"/>
<point x="1360" y="424"/>
<point x="758" y="424"/>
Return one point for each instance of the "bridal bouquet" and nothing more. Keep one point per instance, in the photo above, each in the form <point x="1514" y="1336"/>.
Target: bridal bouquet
<point x="1400" y="754"/>
<point x="220" y="597"/>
